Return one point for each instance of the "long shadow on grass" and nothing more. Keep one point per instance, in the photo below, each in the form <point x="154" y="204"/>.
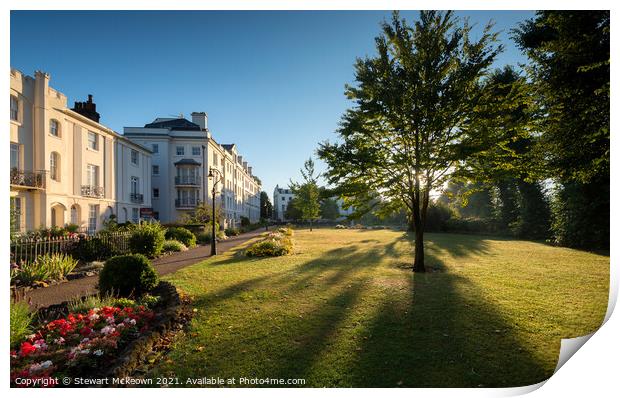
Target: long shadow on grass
<point x="448" y="336"/>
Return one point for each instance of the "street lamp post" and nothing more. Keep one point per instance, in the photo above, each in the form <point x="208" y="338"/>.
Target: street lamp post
<point x="216" y="176"/>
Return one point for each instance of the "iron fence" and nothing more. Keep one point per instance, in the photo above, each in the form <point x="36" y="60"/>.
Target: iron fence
<point x="29" y="248"/>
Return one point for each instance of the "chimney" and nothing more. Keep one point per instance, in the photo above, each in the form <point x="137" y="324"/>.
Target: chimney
<point x="239" y="159"/>
<point x="87" y="109"/>
<point x="245" y="166"/>
<point x="200" y="118"/>
<point x="250" y="170"/>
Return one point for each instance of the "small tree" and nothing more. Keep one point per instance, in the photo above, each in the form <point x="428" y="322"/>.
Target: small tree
<point x="292" y="211"/>
<point x="307" y="193"/>
<point x="266" y="208"/>
<point x="329" y="209"/>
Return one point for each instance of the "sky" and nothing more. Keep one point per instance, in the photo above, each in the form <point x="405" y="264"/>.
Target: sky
<point x="271" y="82"/>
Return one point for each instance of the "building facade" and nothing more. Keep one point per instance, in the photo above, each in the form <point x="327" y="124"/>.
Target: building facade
<point x="183" y="154"/>
<point x="283" y="196"/>
<point x="63" y="161"/>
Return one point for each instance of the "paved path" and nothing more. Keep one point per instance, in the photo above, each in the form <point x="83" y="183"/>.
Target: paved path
<point x="165" y="265"/>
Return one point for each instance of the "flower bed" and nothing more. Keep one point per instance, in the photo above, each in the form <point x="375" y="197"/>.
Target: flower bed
<point x="275" y="244"/>
<point x="100" y="342"/>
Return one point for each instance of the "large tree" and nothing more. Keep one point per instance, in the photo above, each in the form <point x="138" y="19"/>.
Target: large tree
<point x="413" y="103"/>
<point x="570" y="71"/>
<point x="307" y="195"/>
<point x="329" y="209"/>
<point x="266" y="208"/>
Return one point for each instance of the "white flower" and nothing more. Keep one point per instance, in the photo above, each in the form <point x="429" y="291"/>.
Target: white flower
<point x="108" y="329"/>
<point x="110" y="320"/>
<point x="94" y="317"/>
<point x="46" y="364"/>
<point x="31" y="336"/>
<point x="85" y="340"/>
<point x="98" y="353"/>
<point x="59" y="341"/>
<point x="85" y="352"/>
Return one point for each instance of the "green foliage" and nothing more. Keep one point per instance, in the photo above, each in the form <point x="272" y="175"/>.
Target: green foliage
<point x="266" y="207"/>
<point x="21" y="321"/>
<point x="129" y="275"/>
<point x="307" y="195"/>
<point x="437" y="217"/>
<point x="203" y="213"/>
<point x="83" y="304"/>
<point x="329" y="209"/>
<point x="204" y="236"/>
<point x="276" y="244"/>
<point x="414" y="102"/>
<point x="173" y="246"/>
<point x="149" y="301"/>
<point x="293" y="212"/>
<point x="44" y="268"/>
<point x="245" y="221"/>
<point x="183" y="235"/>
<point x="147" y="239"/>
<point x="93" y="249"/>
<point x="221" y="235"/>
<point x="232" y="231"/>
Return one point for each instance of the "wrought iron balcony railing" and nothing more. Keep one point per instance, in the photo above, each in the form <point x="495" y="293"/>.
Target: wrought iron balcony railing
<point x="136" y="198"/>
<point x="92" y="191"/>
<point x="187" y="180"/>
<point x="31" y="179"/>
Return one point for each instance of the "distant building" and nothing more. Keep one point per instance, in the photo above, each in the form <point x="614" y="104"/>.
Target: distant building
<point x="65" y="164"/>
<point x="283" y="196"/>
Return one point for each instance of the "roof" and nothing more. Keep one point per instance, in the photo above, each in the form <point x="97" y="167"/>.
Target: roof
<point x="228" y="147"/>
<point x="173" y="124"/>
<point x="189" y="162"/>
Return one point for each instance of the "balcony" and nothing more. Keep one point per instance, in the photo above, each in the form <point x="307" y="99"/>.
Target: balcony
<point x="92" y="191"/>
<point x="28" y="179"/>
<point x="187" y="203"/>
<point x="190" y="180"/>
<point x="136" y="198"/>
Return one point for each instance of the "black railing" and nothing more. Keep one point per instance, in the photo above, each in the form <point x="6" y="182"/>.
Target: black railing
<point x="28" y="248"/>
<point x="34" y="179"/>
<point x="136" y="198"/>
<point x="186" y="203"/>
<point x="92" y="191"/>
<point x="187" y="180"/>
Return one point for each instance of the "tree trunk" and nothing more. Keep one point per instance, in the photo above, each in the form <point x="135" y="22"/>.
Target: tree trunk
<point x="310" y="225"/>
<point x="418" y="262"/>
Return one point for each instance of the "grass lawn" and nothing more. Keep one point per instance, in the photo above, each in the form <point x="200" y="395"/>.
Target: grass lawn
<point x="344" y="310"/>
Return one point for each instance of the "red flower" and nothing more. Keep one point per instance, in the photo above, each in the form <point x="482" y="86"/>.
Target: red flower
<point x="86" y="331"/>
<point x="26" y="349"/>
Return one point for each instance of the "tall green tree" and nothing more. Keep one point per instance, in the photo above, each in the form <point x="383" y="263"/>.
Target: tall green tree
<point x="307" y="195"/>
<point x="329" y="209"/>
<point x="570" y="71"/>
<point x="413" y="103"/>
<point x="266" y="208"/>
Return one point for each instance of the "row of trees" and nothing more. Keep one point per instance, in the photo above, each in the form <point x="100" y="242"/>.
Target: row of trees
<point x="430" y="115"/>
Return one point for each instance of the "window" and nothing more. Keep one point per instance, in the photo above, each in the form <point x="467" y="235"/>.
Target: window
<point x="134" y="185"/>
<point x="196" y="151"/>
<point x="92" y="175"/>
<point x="156" y="192"/>
<point x="16" y="219"/>
<point x="180" y="150"/>
<point x="135" y="215"/>
<point x="93" y="141"/>
<point x="14" y="108"/>
<point x="155" y="170"/>
<point x="14" y="156"/>
<point x="134" y="157"/>
<point x="214" y="159"/>
<point x="93" y="212"/>
<point x="74" y="215"/>
<point x="55" y="166"/>
<point x="54" y="128"/>
<point x="155" y="148"/>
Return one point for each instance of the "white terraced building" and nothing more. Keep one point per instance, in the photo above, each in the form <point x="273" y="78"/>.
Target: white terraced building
<point x="183" y="153"/>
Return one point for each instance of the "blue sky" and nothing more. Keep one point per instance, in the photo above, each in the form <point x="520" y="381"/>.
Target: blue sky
<point x="271" y="82"/>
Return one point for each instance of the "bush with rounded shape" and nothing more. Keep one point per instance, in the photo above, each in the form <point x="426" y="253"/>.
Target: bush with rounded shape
<point x="129" y="275"/>
<point x="204" y="237"/>
<point x="148" y="239"/>
<point x="232" y="231"/>
<point x="174" y="246"/>
<point x="182" y="235"/>
<point x="92" y="249"/>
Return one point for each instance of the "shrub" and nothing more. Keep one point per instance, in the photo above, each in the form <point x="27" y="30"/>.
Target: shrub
<point x="93" y="249"/>
<point x="21" y="319"/>
<point x="221" y="235"/>
<point x="174" y="246"/>
<point x="245" y="222"/>
<point x="127" y="275"/>
<point x="148" y="239"/>
<point x="232" y="231"/>
<point x="149" y="301"/>
<point x="72" y="228"/>
<point x="276" y="244"/>
<point x="45" y="267"/>
<point x="288" y="231"/>
<point x="204" y="237"/>
<point x="182" y="235"/>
